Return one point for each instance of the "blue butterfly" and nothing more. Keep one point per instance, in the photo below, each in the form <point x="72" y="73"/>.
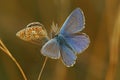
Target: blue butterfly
<point x="69" y="41"/>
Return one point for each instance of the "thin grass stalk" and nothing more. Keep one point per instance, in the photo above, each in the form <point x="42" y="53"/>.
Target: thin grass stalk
<point x="43" y="66"/>
<point x="4" y="48"/>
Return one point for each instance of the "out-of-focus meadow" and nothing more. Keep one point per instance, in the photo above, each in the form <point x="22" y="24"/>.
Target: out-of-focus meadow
<point x="101" y="61"/>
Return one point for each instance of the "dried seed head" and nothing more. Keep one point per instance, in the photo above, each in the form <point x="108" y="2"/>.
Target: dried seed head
<point x="33" y="31"/>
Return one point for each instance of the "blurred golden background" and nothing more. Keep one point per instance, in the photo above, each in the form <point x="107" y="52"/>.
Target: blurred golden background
<point x="99" y="62"/>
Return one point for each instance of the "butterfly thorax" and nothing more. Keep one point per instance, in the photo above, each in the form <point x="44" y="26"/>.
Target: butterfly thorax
<point x="61" y="40"/>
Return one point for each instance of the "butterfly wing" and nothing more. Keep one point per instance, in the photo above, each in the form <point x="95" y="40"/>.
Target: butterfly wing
<point x="74" y="23"/>
<point x="51" y="49"/>
<point x="67" y="55"/>
<point x="78" y="42"/>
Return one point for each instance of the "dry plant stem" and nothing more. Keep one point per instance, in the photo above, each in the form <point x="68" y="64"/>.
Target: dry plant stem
<point x="3" y="47"/>
<point x="114" y="48"/>
<point x="39" y="77"/>
<point x="43" y="66"/>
